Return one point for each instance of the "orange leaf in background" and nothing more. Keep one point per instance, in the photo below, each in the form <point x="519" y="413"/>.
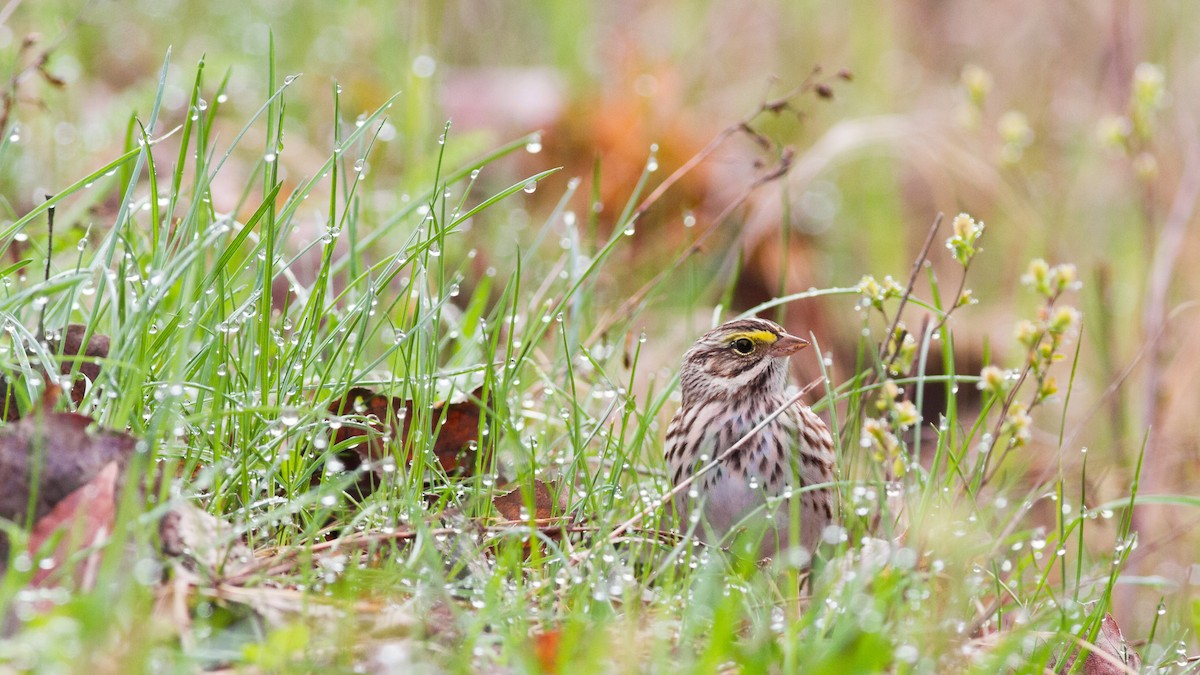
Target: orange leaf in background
<point x="546" y="649"/>
<point x="457" y="426"/>
<point x="87" y="516"/>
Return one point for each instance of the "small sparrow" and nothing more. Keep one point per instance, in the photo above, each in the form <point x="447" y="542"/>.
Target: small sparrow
<point x="734" y="377"/>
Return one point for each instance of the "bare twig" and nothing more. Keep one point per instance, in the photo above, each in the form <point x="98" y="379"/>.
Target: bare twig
<point x="778" y="170"/>
<point x="774" y="106"/>
<point x="912" y="281"/>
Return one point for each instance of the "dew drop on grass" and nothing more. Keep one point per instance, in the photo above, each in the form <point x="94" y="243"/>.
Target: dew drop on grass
<point x="530" y="187"/>
<point x="269" y="157"/>
<point x="424" y="66"/>
<point x="534" y="146"/>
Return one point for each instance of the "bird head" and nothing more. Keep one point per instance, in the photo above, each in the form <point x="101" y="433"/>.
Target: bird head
<point x="739" y="357"/>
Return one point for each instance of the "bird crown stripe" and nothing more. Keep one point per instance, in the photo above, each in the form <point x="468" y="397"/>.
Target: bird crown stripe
<point x="758" y="336"/>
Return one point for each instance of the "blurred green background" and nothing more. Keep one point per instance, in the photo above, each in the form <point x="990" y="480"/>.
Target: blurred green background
<point x="1069" y="128"/>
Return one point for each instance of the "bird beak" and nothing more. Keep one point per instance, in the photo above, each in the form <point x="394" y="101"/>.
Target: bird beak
<point x="787" y="345"/>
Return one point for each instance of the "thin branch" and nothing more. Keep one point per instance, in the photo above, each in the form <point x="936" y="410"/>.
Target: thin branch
<point x="912" y="281"/>
<point x="774" y="106"/>
<point x="41" y="334"/>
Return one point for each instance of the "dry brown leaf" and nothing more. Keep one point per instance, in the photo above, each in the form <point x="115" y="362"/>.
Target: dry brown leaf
<point x="513" y="505"/>
<point x="458" y="429"/>
<point x="72" y="346"/>
<point x="64" y="451"/>
<point x="85" y="516"/>
<point x="1111" y="655"/>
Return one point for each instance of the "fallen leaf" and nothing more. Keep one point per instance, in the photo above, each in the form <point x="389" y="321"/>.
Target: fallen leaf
<point x="1111" y="655"/>
<point x="457" y="429"/>
<point x="210" y="545"/>
<point x="71" y="345"/>
<point x="513" y="505"/>
<point x="64" y="451"/>
<point x="85" y="517"/>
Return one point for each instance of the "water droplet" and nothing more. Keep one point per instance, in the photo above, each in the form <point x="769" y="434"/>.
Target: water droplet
<point x="534" y="146"/>
<point x="424" y="66"/>
<point x="269" y="157"/>
<point x="530" y="187"/>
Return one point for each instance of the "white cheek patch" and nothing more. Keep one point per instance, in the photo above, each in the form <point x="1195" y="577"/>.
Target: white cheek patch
<point x="732" y="384"/>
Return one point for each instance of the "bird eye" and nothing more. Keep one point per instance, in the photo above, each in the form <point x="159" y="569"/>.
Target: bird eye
<point x="742" y="345"/>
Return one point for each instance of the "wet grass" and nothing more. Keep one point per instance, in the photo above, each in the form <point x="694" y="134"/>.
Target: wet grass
<point x="233" y="332"/>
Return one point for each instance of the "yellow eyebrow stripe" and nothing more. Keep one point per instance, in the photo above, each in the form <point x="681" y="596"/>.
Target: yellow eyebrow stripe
<point x="762" y="337"/>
